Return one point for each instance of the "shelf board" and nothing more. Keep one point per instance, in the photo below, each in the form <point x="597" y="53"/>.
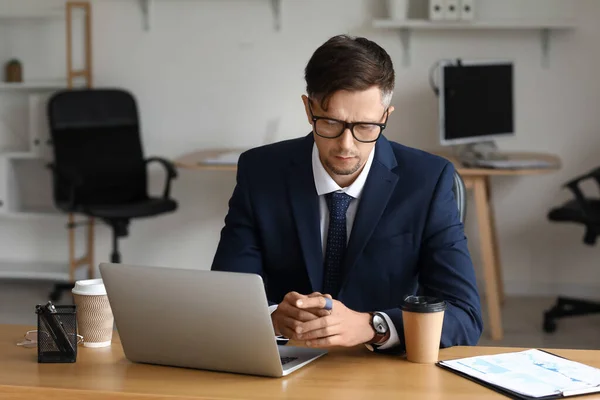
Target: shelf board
<point x="544" y="26"/>
<point x="55" y="84"/>
<point x="147" y="9"/>
<point x="11" y="15"/>
<point x="34" y="270"/>
<point x="20" y="155"/>
<point x="33" y="214"/>
<point x="418" y="24"/>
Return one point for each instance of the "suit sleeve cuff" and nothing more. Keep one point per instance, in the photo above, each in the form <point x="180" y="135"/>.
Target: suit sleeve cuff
<point x="392" y="341"/>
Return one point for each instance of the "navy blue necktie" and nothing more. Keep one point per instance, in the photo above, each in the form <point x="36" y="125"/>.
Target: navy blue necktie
<point x="336" y="241"/>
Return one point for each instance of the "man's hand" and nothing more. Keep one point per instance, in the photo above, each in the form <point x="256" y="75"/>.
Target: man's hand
<point x="341" y="327"/>
<point x="288" y="315"/>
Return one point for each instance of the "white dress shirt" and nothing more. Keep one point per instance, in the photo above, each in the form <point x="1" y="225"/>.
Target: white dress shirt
<point x="324" y="184"/>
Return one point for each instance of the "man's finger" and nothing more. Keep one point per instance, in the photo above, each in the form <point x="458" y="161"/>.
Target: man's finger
<point x="288" y="326"/>
<point x="319" y="333"/>
<point x="291" y="310"/>
<point x="320" y="312"/>
<point x="318" y="323"/>
<point x="292" y="297"/>
<point x="329" y="341"/>
<point x="287" y="332"/>
<point x="302" y="315"/>
<point x="311" y="302"/>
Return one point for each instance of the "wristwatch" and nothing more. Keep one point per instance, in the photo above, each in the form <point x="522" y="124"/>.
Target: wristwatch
<point x="379" y="324"/>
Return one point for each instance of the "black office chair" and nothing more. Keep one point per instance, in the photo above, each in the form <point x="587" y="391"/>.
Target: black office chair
<point x="460" y="194"/>
<point x="581" y="210"/>
<point x="99" y="168"/>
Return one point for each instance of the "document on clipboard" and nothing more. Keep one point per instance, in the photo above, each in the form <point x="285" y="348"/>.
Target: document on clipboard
<point x="529" y="374"/>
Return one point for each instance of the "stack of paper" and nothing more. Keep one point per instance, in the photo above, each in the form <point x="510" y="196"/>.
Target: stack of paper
<point x="529" y="374"/>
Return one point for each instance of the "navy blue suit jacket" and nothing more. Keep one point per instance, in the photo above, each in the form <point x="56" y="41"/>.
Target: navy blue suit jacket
<point x="407" y="235"/>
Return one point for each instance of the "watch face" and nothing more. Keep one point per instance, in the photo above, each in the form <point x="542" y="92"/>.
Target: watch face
<point x="379" y="324"/>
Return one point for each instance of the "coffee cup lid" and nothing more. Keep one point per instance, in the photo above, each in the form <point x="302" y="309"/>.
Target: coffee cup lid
<point x="423" y="304"/>
<point x="89" y="287"/>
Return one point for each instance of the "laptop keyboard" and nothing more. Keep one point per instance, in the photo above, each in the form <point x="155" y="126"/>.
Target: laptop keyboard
<point x="285" y="360"/>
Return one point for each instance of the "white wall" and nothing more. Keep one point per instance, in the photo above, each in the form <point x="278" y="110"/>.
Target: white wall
<point x="216" y="74"/>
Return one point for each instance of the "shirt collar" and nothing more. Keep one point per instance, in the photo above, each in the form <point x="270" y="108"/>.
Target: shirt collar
<point x="324" y="183"/>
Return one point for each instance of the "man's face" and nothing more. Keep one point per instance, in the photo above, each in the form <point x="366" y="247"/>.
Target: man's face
<point x="344" y="157"/>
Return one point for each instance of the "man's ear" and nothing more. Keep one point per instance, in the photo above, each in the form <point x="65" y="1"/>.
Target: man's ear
<point x="390" y="110"/>
<point x="306" y="109"/>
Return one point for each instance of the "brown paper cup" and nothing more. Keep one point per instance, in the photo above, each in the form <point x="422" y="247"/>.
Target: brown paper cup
<point x="423" y="319"/>
<point x="94" y="316"/>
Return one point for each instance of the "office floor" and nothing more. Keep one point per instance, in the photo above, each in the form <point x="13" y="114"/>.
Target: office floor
<point x="522" y="318"/>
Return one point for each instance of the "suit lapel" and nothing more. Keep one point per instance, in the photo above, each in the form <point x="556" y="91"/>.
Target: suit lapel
<point x="376" y="193"/>
<point x="305" y="208"/>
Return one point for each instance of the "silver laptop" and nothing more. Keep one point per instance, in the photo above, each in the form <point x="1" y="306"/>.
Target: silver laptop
<point x="209" y="320"/>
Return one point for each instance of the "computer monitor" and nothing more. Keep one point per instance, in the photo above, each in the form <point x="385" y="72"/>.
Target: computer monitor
<point x="476" y="102"/>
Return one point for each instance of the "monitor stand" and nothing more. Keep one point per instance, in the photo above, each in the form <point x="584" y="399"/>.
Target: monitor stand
<point x="479" y="153"/>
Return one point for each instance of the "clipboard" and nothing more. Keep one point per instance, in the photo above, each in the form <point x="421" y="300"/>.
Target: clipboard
<point x="512" y="394"/>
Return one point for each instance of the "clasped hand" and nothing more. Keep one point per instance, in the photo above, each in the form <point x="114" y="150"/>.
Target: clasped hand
<point x="303" y="318"/>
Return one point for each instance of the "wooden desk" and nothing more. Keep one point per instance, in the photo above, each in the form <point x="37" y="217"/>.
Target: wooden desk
<point x="477" y="179"/>
<point x="342" y="374"/>
<point x="196" y="160"/>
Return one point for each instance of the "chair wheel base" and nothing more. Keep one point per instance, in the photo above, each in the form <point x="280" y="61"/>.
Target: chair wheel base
<point x="57" y="292"/>
<point x="55" y="295"/>
<point x="549" y="324"/>
<point x="567" y="307"/>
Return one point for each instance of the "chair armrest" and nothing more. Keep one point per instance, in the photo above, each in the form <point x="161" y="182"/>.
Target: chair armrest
<point x="169" y="168"/>
<point x="573" y="185"/>
<point x="595" y="173"/>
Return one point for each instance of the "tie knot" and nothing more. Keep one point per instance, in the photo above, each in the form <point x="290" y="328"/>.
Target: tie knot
<point x="338" y="203"/>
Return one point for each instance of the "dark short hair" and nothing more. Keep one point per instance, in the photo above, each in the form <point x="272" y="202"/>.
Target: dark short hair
<point x="348" y="63"/>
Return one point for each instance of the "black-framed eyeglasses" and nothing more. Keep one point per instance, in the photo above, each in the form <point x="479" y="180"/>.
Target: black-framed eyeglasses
<point x="331" y="128"/>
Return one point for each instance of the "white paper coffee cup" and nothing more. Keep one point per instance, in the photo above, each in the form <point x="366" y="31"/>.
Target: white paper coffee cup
<point x="95" y="319"/>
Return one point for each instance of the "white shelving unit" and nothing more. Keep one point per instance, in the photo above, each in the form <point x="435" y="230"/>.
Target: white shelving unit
<point x="406" y="27"/>
<point x="25" y="144"/>
<point x="25" y="181"/>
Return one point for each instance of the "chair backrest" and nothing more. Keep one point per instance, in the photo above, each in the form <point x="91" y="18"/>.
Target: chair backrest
<point x="460" y="194"/>
<point x="96" y="135"/>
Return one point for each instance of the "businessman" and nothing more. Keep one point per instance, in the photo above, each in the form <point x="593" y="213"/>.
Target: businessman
<point x="342" y="224"/>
